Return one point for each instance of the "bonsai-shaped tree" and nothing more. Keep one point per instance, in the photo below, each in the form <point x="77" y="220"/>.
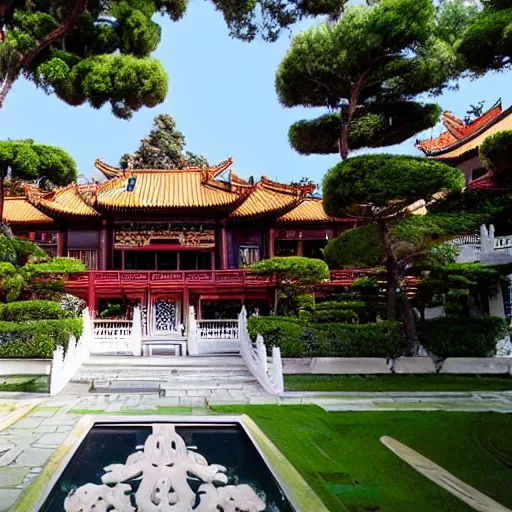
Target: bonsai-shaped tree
<point x="366" y="69"/>
<point x="381" y="189"/>
<point x="163" y="148"/>
<point x="25" y="160"/>
<point x="294" y="275"/>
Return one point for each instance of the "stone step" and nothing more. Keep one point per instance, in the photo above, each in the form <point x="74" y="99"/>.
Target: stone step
<point x="177" y="380"/>
<point x="84" y="375"/>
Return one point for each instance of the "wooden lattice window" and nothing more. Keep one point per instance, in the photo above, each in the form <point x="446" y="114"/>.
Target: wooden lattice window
<point x="248" y="255"/>
<point x="89" y="257"/>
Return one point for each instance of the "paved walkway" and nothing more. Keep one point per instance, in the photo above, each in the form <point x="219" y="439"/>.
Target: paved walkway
<point x="32" y="427"/>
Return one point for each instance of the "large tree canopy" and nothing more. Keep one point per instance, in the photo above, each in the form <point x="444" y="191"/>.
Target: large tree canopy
<point x="163" y="148"/>
<point x="366" y="68"/>
<point x="487" y="42"/>
<point x="98" y="52"/>
<point x="26" y="160"/>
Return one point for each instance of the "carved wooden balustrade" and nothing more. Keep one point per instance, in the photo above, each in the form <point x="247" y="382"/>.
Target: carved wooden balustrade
<point x="199" y="277"/>
<point x="112" y="329"/>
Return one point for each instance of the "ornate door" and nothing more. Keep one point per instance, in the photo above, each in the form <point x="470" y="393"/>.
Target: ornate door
<point x="165" y="316"/>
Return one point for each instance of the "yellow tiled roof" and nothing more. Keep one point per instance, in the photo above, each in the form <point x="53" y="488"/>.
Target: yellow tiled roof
<point x="17" y="210"/>
<point x="170" y="189"/>
<point x="271" y="198"/>
<point x="309" y="210"/>
<point x="67" y="201"/>
<point x="505" y="123"/>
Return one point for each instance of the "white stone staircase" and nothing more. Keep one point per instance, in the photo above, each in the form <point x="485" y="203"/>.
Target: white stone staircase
<point x="213" y="378"/>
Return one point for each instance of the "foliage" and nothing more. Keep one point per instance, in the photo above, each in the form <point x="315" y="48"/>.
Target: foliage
<point x="72" y="305"/>
<point x="57" y="266"/>
<point x="31" y="310"/>
<point x="38" y="338"/>
<point x="487" y="42"/>
<point x="375" y="125"/>
<point x="19" y="251"/>
<point x="365" y="286"/>
<point x="29" y="161"/>
<point x="247" y="19"/>
<point x="382" y="339"/>
<point x="359" y="247"/>
<point x="325" y="316"/>
<point x="496" y="150"/>
<point x="88" y="52"/>
<point x="294" y="275"/>
<point x="163" y="148"/>
<point x="373" y="61"/>
<point x="354" y="305"/>
<point x="280" y="332"/>
<point x="455" y="336"/>
<point x="112" y="311"/>
<point x="380" y="179"/>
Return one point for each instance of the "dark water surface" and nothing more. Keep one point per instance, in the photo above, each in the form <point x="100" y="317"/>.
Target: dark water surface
<point x="227" y="445"/>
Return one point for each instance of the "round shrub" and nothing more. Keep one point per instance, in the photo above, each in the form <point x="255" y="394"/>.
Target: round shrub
<point x="456" y="336"/>
<point x="496" y="151"/>
<point x="31" y="310"/>
<point x="282" y="332"/>
<point x="359" y="247"/>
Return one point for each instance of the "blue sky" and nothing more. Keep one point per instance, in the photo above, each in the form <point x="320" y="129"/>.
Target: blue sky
<point x="222" y="96"/>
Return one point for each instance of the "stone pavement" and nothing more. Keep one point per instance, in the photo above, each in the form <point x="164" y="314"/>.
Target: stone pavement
<point x="32" y="426"/>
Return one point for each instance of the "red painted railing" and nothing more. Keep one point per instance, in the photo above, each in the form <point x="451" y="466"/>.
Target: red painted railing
<point x="99" y="277"/>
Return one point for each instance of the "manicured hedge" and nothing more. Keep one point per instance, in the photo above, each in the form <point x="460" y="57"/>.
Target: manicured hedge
<point x="278" y="331"/>
<point x="298" y="339"/>
<point x="335" y="315"/>
<point x="31" y="310"/>
<point x="340" y="304"/>
<point x="381" y="339"/>
<point x="456" y="336"/>
<point x="36" y="339"/>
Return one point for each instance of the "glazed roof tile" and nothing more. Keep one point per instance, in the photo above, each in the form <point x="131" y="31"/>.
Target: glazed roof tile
<point x="68" y="201"/>
<point x="176" y="189"/>
<point x="309" y="210"/>
<point x="17" y="210"/>
<point x="270" y="198"/>
<point x="468" y="144"/>
<point x="460" y="133"/>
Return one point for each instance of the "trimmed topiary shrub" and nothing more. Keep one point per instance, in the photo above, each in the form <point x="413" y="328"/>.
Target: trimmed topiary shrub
<point x="354" y="305"/>
<point x="335" y="315"/>
<point x="359" y="247"/>
<point x="31" y="310"/>
<point x="7" y="250"/>
<point x="36" y="339"/>
<point x="283" y="332"/>
<point x="456" y="336"/>
<point x="381" y="339"/>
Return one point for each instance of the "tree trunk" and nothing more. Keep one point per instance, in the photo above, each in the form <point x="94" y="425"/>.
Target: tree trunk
<point x="1" y="197"/>
<point x="413" y="343"/>
<point x="392" y="275"/>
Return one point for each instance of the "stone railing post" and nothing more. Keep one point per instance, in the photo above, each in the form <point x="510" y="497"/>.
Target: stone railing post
<point x="277" y="370"/>
<point x="192" y="333"/>
<point x="136" y="334"/>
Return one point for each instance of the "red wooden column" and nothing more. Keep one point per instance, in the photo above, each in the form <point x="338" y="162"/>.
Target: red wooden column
<point x="91" y="295"/>
<point x="300" y="248"/>
<point x="186" y="305"/>
<point x="224" y="250"/>
<point x="61" y="243"/>
<point x="105" y="239"/>
<point x="271" y="243"/>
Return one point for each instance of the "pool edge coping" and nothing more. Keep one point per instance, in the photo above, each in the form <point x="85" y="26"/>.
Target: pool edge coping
<point x="293" y="485"/>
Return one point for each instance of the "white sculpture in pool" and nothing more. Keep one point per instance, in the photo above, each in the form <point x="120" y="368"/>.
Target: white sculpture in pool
<point x="163" y="468"/>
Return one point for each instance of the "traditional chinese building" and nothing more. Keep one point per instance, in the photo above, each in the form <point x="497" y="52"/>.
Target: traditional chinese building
<point x="458" y="145"/>
<point x="168" y="239"/>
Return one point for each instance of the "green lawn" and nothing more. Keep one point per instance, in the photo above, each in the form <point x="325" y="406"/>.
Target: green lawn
<point x="341" y="457"/>
<point x="397" y="383"/>
<point x="25" y="383"/>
